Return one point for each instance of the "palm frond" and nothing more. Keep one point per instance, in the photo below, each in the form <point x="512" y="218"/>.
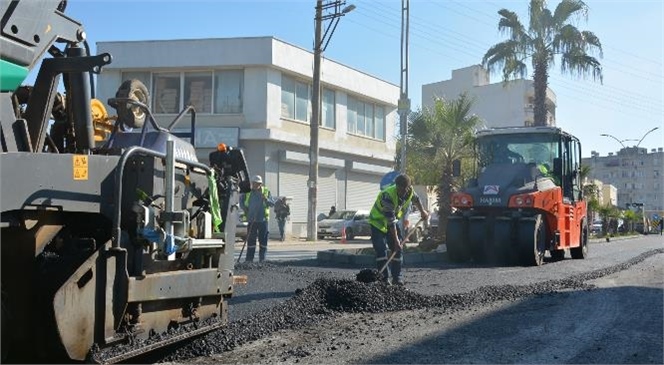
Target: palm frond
<point x="510" y="24"/>
<point x="580" y="64"/>
<point x="592" y="43"/>
<point x="535" y="11"/>
<point x="567" y="9"/>
<point x="567" y="39"/>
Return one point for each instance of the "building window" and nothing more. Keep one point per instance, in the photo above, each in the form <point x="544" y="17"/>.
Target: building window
<point x="228" y="91"/>
<point x="166" y="93"/>
<point x="328" y="112"/>
<point x="294" y="99"/>
<point x="366" y="119"/>
<point x="143" y="77"/>
<point x="198" y="91"/>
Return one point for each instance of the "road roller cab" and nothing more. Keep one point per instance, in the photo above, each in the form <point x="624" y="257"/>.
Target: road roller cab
<point x="523" y="200"/>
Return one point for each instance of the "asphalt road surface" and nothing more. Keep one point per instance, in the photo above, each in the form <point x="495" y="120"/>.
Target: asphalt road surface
<point x="605" y="309"/>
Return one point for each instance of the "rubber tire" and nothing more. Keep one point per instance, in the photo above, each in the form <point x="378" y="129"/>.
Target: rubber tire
<point x="557" y="255"/>
<point x="5" y="329"/>
<point x="580" y="253"/>
<point x="349" y="234"/>
<point x="133" y="117"/>
<point x="533" y="243"/>
<point x="457" y="251"/>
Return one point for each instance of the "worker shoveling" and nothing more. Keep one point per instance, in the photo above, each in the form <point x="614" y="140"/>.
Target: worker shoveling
<point x="373" y="275"/>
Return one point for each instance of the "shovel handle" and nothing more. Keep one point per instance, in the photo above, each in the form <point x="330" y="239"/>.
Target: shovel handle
<point x="394" y="252"/>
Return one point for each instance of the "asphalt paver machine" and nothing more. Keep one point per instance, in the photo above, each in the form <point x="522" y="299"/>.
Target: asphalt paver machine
<point x="103" y="241"/>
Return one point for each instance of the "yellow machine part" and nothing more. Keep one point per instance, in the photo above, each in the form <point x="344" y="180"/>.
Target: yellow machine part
<point x="103" y="124"/>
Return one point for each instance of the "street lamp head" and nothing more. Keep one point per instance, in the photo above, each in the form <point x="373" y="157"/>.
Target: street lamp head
<point x="348" y="9"/>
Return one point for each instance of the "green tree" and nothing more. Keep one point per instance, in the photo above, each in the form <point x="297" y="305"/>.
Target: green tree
<point x="438" y="136"/>
<point x="590" y="191"/>
<point x="608" y="213"/>
<point x="548" y="35"/>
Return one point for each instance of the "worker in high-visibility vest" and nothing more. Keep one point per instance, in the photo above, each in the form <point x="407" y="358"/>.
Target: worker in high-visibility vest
<point x="256" y="205"/>
<point x="391" y="204"/>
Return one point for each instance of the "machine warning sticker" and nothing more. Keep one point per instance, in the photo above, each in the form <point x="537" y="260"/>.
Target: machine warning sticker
<point x="80" y="165"/>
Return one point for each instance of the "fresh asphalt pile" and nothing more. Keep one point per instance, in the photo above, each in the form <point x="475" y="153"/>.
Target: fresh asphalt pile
<point x="325" y="298"/>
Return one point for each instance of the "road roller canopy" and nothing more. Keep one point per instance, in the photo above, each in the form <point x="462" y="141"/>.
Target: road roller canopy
<point x="538" y="145"/>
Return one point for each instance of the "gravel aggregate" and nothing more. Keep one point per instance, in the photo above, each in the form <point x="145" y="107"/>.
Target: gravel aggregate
<point x="327" y="297"/>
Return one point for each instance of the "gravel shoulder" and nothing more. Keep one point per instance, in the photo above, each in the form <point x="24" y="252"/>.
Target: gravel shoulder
<point x="617" y="318"/>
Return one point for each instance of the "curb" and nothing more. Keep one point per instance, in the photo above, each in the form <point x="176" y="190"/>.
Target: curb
<point x="351" y="257"/>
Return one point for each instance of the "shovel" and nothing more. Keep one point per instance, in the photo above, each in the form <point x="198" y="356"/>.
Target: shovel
<point x="404" y="240"/>
<point x="371" y="275"/>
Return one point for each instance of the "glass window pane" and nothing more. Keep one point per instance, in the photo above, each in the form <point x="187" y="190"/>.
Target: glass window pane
<point x="166" y="93"/>
<point x="302" y="101"/>
<point x="143" y="77"/>
<point x="369" y="120"/>
<point x="287" y="97"/>
<point x="229" y="87"/>
<point x="360" y="118"/>
<point x="198" y="91"/>
<point x="328" y="109"/>
<point x="352" y="115"/>
<point x="380" y="123"/>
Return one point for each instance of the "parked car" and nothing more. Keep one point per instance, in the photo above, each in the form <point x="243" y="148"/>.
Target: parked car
<point x="422" y="230"/>
<point x="596" y="228"/>
<point x="356" y="223"/>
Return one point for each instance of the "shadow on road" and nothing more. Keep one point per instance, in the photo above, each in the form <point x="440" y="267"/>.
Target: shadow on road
<point x="609" y="325"/>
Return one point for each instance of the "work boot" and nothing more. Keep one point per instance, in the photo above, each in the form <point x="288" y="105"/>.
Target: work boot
<point x="397" y="282"/>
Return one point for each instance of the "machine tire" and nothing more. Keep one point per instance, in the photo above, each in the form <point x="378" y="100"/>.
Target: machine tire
<point x="581" y="252"/>
<point x="532" y="240"/>
<point x="350" y="234"/>
<point x="557" y="255"/>
<point x="457" y="251"/>
<point x="5" y="329"/>
<point x="132" y="116"/>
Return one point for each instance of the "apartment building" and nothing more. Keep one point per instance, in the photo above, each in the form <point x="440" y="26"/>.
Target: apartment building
<point x="500" y="104"/>
<point x="255" y="93"/>
<point x="635" y="172"/>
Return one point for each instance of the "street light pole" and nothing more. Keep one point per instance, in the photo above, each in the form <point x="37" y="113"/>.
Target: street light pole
<point x="319" y="47"/>
<point x="625" y="140"/>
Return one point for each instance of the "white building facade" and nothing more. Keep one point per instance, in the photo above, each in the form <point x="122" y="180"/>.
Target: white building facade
<point x="255" y="94"/>
<point x="501" y="104"/>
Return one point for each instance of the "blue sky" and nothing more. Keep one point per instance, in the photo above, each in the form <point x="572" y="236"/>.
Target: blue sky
<point x="444" y="35"/>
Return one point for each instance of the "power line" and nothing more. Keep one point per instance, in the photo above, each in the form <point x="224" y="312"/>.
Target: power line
<point x="434" y="38"/>
<point x="631" y="73"/>
<point x="610" y="101"/>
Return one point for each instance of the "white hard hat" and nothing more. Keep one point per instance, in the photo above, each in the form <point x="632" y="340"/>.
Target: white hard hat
<point x="258" y="179"/>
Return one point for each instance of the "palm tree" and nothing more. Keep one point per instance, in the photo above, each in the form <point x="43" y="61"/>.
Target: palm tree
<point x="548" y="34"/>
<point x="438" y="136"/>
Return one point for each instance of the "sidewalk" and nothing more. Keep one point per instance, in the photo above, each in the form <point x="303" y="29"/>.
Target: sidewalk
<point x="300" y="249"/>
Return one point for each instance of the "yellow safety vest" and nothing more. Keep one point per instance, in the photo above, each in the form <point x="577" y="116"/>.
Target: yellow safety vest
<point x="377" y="218"/>
<point x="265" y="193"/>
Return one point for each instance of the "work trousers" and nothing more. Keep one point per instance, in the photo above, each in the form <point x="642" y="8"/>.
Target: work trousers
<point x="281" y="222"/>
<point x="257" y="230"/>
<point x="381" y="243"/>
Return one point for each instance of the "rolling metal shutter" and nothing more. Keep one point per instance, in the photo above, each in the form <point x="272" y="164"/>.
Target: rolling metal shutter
<point x="293" y="183"/>
<point x="362" y="190"/>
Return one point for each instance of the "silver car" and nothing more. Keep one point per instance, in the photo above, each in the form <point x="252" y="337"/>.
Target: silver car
<point x="355" y="222"/>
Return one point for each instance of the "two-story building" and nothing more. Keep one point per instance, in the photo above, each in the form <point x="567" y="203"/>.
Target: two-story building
<point x="255" y="94"/>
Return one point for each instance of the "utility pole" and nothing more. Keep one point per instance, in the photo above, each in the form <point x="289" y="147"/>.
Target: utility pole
<point x="403" y="107"/>
<point x="319" y="47"/>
